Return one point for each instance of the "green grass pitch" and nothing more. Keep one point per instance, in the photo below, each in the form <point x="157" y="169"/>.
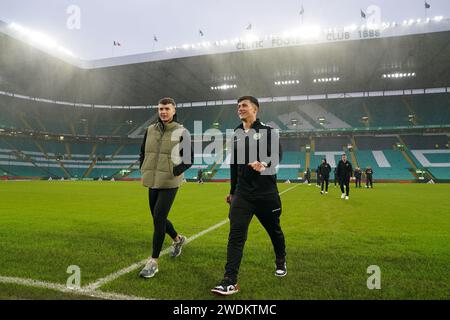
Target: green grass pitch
<point x="102" y="227"/>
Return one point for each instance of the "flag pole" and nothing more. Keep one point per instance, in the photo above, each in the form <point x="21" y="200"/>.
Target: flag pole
<point x="302" y="12"/>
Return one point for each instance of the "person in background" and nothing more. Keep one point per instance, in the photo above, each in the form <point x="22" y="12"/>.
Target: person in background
<point x="318" y="177"/>
<point x="369" y="177"/>
<point x="358" y="176"/>
<point x="308" y="176"/>
<point x="345" y="172"/>
<point x="324" y="171"/>
<point x="200" y="176"/>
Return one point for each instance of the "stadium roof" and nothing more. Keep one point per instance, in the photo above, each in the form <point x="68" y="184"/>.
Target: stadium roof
<point x="396" y="58"/>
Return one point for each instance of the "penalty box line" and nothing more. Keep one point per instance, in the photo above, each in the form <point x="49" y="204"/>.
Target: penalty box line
<point x="113" y="276"/>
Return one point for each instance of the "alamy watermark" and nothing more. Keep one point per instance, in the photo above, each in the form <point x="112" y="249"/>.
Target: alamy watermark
<point x="235" y="147"/>
<point x="73" y="21"/>
<point x="74" y="280"/>
<point x="374" y="280"/>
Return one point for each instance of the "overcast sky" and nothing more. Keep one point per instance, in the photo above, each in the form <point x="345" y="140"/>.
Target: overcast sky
<point x="176" y="22"/>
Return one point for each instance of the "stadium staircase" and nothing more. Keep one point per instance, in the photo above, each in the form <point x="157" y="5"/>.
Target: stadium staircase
<point x="41" y="149"/>
<point x="352" y="153"/>
<point x="93" y="163"/>
<point x="3" y="171"/>
<point x="89" y="169"/>
<point x="117" y="129"/>
<point x="86" y="128"/>
<point x="308" y="159"/>
<point x="117" y="151"/>
<point x="71" y="126"/>
<point x="68" y="152"/>
<point x="367" y="114"/>
<point x="410" y="110"/>
<point x="312" y="150"/>
<point x="68" y="175"/>
<point x="72" y="129"/>
<point x="94" y="148"/>
<point x="213" y="168"/>
<point x="130" y="169"/>
<point x="30" y="160"/>
<point x="25" y="122"/>
<point x="39" y="122"/>
<point x="138" y="130"/>
<point x="308" y="118"/>
<point x="405" y="154"/>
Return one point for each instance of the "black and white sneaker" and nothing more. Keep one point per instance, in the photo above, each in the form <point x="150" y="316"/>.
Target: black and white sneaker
<point x="281" y="269"/>
<point x="226" y="288"/>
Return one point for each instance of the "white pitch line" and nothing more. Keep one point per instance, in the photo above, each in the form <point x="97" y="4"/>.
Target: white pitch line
<point x="91" y="290"/>
<point x="64" y="289"/>
<point x="113" y="276"/>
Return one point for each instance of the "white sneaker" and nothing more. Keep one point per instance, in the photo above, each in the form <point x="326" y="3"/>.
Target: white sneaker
<point x="343" y="196"/>
<point x="321" y="192"/>
<point x="326" y="192"/>
<point x="346" y="197"/>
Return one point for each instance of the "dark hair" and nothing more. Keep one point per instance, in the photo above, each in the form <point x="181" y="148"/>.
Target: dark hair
<point x="167" y="100"/>
<point x="249" y="98"/>
<point x="325" y="160"/>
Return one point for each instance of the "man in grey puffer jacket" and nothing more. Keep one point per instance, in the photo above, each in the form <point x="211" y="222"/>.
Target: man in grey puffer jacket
<point x="162" y="173"/>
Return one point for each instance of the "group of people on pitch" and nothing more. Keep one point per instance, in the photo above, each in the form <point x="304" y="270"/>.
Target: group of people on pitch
<point x="342" y="174"/>
<point x="253" y="186"/>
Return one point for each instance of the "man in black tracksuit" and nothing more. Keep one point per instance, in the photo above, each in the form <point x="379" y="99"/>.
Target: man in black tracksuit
<point x="253" y="191"/>
<point x="308" y="176"/>
<point x="200" y="176"/>
<point x="358" y="176"/>
<point x="345" y="172"/>
<point x="324" y="172"/>
<point x="369" y="177"/>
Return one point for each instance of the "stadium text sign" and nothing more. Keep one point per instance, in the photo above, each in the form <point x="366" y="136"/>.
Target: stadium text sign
<point x="331" y="36"/>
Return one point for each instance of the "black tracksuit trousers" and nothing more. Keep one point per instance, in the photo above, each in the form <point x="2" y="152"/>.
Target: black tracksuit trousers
<point x="325" y="181"/>
<point x="345" y="182"/>
<point x="268" y="211"/>
<point x="369" y="181"/>
<point x="160" y="201"/>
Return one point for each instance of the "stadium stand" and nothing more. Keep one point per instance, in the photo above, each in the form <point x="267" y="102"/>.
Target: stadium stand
<point x="50" y="129"/>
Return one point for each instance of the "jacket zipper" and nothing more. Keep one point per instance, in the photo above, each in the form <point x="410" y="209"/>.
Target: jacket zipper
<point x="159" y="149"/>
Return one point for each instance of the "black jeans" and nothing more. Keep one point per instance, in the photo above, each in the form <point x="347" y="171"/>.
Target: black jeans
<point x="325" y="181"/>
<point x="346" y="183"/>
<point x="268" y="212"/>
<point x="160" y="201"/>
<point x="358" y="182"/>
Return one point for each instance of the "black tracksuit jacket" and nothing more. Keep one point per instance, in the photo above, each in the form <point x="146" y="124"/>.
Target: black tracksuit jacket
<point x="344" y="170"/>
<point x="245" y="181"/>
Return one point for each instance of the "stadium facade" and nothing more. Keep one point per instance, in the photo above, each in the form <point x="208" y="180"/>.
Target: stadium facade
<point x="381" y="95"/>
